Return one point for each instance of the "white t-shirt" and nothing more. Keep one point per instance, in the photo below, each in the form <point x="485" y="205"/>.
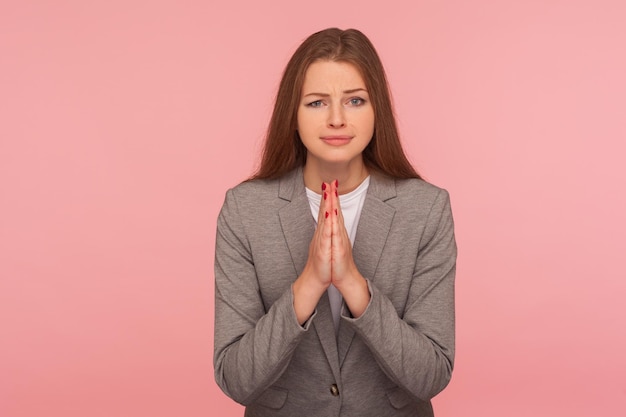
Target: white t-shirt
<point x="351" y="206"/>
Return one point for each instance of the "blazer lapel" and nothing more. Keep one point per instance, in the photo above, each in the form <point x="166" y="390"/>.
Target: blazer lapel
<point x="325" y="329"/>
<point x="296" y="219"/>
<point x="371" y="236"/>
<point x="298" y="227"/>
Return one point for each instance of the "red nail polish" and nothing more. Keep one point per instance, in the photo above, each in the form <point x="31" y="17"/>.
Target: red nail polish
<point x="323" y="186"/>
<point x="336" y="195"/>
<point x="326" y="215"/>
<point x="335" y="212"/>
<point x="336" y="183"/>
<point x="325" y="196"/>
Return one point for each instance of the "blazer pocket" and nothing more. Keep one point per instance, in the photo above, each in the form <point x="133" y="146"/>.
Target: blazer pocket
<point x="273" y="398"/>
<point x="398" y="398"/>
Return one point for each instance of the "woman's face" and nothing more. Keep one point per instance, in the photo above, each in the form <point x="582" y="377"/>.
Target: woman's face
<point x="335" y="115"/>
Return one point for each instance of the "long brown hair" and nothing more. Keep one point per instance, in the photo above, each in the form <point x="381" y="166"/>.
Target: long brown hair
<point x="284" y="151"/>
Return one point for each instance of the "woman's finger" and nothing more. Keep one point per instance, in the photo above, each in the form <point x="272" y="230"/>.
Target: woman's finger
<point x="339" y="236"/>
<point x="343" y="264"/>
<point x="321" y="215"/>
<point x="320" y="247"/>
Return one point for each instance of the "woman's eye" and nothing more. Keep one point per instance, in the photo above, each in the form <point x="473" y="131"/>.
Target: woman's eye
<point x="316" y="103"/>
<point x="356" y="101"/>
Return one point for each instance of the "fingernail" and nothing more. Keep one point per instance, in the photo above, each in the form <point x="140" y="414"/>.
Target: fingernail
<point x="323" y="186"/>
<point x="335" y="212"/>
<point x="325" y="196"/>
<point x="326" y="215"/>
<point x="336" y="183"/>
<point x="336" y="195"/>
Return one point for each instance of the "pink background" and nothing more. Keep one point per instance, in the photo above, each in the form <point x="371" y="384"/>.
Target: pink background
<point x="122" y="124"/>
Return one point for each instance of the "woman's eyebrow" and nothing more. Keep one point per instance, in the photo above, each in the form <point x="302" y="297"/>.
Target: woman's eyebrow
<point x="354" y="90"/>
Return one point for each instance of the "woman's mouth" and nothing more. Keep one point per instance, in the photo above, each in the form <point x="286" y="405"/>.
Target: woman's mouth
<point x="336" y="140"/>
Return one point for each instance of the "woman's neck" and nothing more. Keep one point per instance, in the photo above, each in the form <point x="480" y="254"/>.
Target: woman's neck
<point x="348" y="176"/>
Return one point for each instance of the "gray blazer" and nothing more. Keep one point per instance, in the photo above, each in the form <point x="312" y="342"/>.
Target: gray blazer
<point x="390" y="361"/>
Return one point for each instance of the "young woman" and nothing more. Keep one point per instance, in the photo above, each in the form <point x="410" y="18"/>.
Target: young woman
<point x="335" y="263"/>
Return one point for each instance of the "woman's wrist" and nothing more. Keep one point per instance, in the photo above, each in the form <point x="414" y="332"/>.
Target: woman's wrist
<point x="306" y="294"/>
<point x="355" y="293"/>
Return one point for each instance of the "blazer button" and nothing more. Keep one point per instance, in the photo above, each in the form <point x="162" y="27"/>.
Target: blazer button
<point x="334" y="390"/>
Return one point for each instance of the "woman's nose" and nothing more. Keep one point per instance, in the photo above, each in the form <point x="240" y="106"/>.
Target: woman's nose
<point x="336" y="117"/>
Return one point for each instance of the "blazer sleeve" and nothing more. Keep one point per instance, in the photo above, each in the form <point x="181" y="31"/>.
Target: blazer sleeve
<point x="416" y="350"/>
<point x="252" y="346"/>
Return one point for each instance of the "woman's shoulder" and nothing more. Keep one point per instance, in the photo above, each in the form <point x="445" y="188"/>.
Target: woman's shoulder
<point x="252" y="193"/>
<point x="248" y="201"/>
<point x="409" y="187"/>
<point x="258" y="191"/>
<point x="418" y="194"/>
<point x="255" y="185"/>
<point x="418" y="185"/>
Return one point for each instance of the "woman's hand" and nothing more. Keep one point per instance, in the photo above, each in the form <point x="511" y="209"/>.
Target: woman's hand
<point x="330" y="261"/>
<point x="344" y="273"/>
<point x="317" y="274"/>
